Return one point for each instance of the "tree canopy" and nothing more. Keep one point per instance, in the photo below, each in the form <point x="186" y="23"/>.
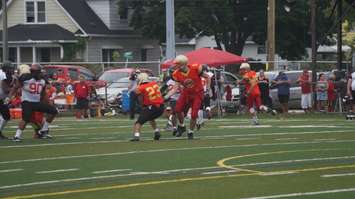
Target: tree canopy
<point x="232" y="22"/>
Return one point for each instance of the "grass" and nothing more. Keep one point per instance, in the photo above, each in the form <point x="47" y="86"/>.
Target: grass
<point x="229" y="159"/>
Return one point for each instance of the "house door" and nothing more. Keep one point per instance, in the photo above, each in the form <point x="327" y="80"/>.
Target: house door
<point x="45" y="55"/>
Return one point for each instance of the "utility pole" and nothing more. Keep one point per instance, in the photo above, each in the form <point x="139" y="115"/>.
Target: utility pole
<point x="271" y="34"/>
<point x="170" y="29"/>
<point x="340" y="35"/>
<point x="314" y="45"/>
<point x="5" y="49"/>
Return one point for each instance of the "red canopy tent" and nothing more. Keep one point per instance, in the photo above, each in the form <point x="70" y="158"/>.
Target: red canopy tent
<point x="208" y="56"/>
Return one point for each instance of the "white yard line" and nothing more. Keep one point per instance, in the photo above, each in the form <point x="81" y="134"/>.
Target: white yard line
<point x="202" y="137"/>
<point x="276" y="173"/>
<point x="337" y="175"/>
<point x="171" y="149"/>
<point x="57" y="171"/>
<point x="295" y="161"/>
<point x="102" y="138"/>
<point x="219" y="172"/>
<point x="10" y="170"/>
<point x="304" y="194"/>
<point x="110" y="171"/>
<point x="285" y="139"/>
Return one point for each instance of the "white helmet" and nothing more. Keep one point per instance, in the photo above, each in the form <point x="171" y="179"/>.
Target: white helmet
<point x="24" y="69"/>
<point x="142" y="78"/>
<point x="181" y="60"/>
<point x="244" y="66"/>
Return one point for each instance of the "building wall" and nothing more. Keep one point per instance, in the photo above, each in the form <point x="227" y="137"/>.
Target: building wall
<point x="102" y="9"/>
<point x="54" y="15"/>
<point x="135" y="45"/>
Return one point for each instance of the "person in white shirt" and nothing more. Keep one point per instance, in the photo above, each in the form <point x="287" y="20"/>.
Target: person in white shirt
<point x="351" y="90"/>
<point x="32" y="91"/>
<point x="6" y="82"/>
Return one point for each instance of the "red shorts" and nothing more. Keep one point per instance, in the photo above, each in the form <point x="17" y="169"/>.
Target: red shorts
<point x="37" y="118"/>
<point x="186" y="100"/>
<point x="253" y="100"/>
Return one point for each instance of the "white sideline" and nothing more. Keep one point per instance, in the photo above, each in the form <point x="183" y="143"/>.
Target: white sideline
<point x="110" y="171"/>
<point x="337" y="175"/>
<point x="10" y="170"/>
<point x="57" y="171"/>
<point x="303" y="194"/>
<point x="171" y="149"/>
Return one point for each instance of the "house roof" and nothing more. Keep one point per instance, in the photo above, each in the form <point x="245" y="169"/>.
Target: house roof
<point x="87" y="19"/>
<point x="39" y="32"/>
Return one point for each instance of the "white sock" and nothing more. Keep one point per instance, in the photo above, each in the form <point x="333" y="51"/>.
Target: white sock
<point x="157" y="130"/>
<point x="200" y="117"/>
<point x="136" y="134"/>
<point x="191" y="131"/>
<point x="174" y="127"/>
<point x="181" y="124"/>
<point x="2" y="124"/>
<point x="18" y="133"/>
<point x="45" y="126"/>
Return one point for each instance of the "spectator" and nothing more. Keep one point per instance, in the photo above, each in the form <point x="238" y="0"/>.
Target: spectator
<point x="351" y="90"/>
<point x="264" y="87"/>
<point x="321" y="88"/>
<point x="132" y="94"/>
<point x="331" y="93"/>
<point x="82" y="93"/>
<point x="228" y="90"/>
<point x="305" y="81"/>
<point x="282" y="83"/>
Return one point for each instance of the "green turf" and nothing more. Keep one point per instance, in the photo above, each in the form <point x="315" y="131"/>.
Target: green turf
<point x="277" y="159"/>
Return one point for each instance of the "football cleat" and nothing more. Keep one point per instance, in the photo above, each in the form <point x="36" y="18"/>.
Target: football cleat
<point x="157" y="135"/>
<point x="180" y="130"/>
<point x="134" y="139"/>
<point x="45" y="134"/>
<point x="175" y="131"/>
<point x="16" y="139"/>
<point x="190" y="136"/>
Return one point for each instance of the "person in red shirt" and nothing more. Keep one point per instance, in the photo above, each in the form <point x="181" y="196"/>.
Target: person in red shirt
<point x="81" y="93"/>
<point x="152" y="105"/>
<point x="188" y="76"/>
<point x="305" y="81"/>
<point x="331" y="93"/>
<point x="252" y="92"/>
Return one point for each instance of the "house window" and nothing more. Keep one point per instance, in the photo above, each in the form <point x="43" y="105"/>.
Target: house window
<point x="35" y="11"/>
<point x="111" y="55"/>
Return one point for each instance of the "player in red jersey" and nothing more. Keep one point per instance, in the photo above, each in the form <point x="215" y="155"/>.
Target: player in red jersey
<point x="152" y="105"/>
<point x="252" y="92"/>
<point x="189" y="77"/>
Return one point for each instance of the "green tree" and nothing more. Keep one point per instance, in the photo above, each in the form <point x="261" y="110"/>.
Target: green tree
<point x="232" y="22"/>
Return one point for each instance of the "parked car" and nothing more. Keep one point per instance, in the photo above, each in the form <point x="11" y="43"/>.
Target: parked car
<point x="70" y="72"/>
<point x="231" y="79"/>
<point x="113" y="90"/>
<point x="114" y="75"/>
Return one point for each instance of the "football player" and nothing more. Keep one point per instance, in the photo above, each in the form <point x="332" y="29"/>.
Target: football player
<point x="6" y="82"/>
<point x="188" y="76"/>
<point x="32" y="91"/>
<point x="152" y="105"/>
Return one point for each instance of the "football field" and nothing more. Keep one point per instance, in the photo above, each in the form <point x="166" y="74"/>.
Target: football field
<point x="310" y="156"/>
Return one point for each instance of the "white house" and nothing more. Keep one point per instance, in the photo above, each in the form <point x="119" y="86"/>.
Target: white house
<point x="45" y="30"/>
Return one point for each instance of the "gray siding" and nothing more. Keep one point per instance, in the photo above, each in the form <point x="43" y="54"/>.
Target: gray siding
<point x="95" y="46"/>
<point x="115" y="21"/>
<point x="54" y="15"/>
<point x="102" y="9"/>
